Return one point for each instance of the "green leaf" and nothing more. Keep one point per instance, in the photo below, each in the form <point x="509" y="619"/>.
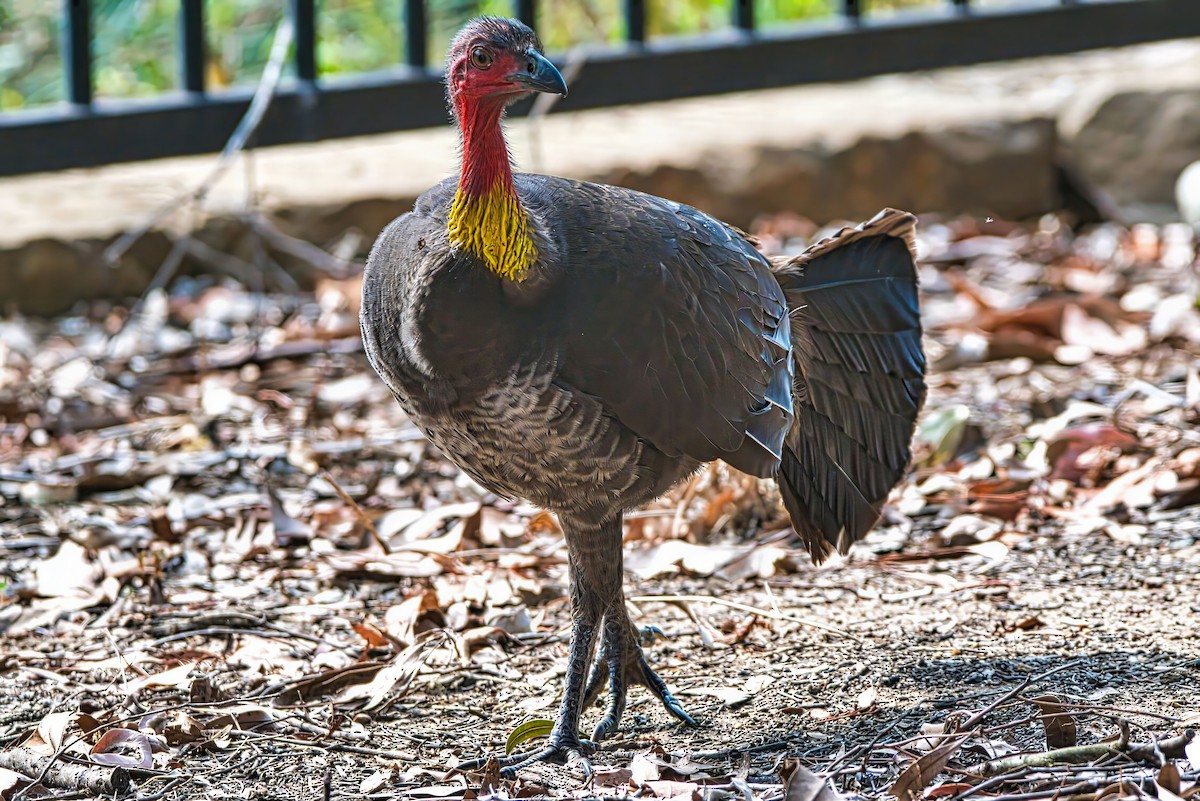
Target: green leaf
<point x="943" y="429"/>
<point x="538" y="727"/>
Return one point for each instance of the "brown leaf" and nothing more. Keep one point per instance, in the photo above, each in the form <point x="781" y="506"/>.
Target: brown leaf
<point x="1004" y="498"/>
<point x="11" y="781"/>
<point x="1058" y="723"/>
<point x="392" y="679"/>
<point x="1169" y="779"/>
<point x="371" y="633"/>
<point x="917" y="776"/>
<point x="612" y="777"/>
<point x="288" y="530"/>
<point x="1070" y="454"/>
<point x="245" y="717"/>
<point x="330" y="681"/>
<point x="479" y="637"/>
<point x="416" y="614"/>
<point x="1121" y="789"/>
<point x="804" y="785"/>
<point x="123" y="748"/>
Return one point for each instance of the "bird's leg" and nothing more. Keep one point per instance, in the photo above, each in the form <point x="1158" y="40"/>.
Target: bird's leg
<point x="621" y="663"/>
<point x="594" y="553"/>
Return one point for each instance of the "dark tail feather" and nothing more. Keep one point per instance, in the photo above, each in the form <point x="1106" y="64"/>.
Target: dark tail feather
<point x="860" y="375"/>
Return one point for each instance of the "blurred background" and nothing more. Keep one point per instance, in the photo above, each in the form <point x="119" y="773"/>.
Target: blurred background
<point x="136" y="43"/>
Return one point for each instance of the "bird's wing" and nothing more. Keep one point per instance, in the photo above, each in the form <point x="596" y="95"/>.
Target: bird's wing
<point x="684" y="331"/>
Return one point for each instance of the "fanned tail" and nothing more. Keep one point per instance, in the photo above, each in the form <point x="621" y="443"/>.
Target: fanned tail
<point x="860" y="374"/>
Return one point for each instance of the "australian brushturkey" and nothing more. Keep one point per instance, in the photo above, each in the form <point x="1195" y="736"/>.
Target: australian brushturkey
<point x="586" y="347"/>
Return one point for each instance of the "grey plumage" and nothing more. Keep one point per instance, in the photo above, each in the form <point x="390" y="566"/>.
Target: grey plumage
<point x="649" y="339"/>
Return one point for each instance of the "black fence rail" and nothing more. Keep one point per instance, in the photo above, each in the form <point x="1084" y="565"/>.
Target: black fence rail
<point x="86" y="132"/>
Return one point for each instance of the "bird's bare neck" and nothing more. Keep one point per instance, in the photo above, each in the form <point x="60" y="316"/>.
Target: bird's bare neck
<point x="486" y="217"/>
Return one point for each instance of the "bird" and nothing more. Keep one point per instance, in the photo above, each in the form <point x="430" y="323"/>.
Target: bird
<point x="587" y="347"/>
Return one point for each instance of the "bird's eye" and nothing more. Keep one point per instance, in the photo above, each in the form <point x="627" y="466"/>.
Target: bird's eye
<point x="481" y="58"/>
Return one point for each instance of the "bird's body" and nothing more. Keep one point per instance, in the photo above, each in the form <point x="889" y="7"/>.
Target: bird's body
<point x="586" y="347"/>
<point x="508" y="380"/>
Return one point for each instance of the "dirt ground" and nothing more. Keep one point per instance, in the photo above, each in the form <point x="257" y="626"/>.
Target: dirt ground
<point x="232" y="569"/>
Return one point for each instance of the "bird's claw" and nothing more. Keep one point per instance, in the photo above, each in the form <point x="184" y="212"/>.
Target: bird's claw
<point x="565" y="752"/>
<point x="622" y="663"/>
<point x="648" y="635"/>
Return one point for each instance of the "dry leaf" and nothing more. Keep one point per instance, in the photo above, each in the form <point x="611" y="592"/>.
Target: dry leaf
<point x="371" y="634"/>
<point x="70" y="572"/>
<point x="123" y="748"/>
<point x="1169" y="782"/>
<point x="1059" y="725"/>
<point x="10" y="782"/>
<point x="643" y="768"/>
<point x="1192" y="749"/>
<point x="178" y="677"/>
<point x="391" y="681"/>
<point x="730" y="697"/>
<point x="288" y="530"/>
<point x="804" y="785"/>
<point x="917" y="776"/>
<point x="377" y="781"/>
<point x="416" y="614"/>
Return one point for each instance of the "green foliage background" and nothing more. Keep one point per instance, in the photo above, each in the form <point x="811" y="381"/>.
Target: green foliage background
<point x="135" y="40"/>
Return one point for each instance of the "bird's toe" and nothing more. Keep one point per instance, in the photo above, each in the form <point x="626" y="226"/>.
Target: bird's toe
<point x="569" y="751"/>
<point x="626" y="665"/>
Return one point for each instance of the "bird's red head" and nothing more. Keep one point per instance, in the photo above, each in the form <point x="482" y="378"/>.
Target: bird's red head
<point x="493" y="62"/>
<point x="495" y="59"/>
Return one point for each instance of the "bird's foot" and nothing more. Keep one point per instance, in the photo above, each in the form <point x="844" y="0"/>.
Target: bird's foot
<point x="562" y="749"/>
<point x="620" y="664"/>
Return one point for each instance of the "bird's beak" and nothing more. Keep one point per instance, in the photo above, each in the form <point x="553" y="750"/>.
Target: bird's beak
<point x="542" y="76"/>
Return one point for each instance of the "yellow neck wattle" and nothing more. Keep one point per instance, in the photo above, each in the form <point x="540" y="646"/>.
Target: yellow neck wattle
<point x="495" y="228"/>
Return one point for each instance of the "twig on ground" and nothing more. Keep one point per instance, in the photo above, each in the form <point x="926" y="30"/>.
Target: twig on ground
<point x="744" y="608"/>
<point x="353" y="504"/>
<point x="252" y="353"/>
<point x="218" y="631"/>
<point x="45" y="770"/>
<point x="1075" y="755"/>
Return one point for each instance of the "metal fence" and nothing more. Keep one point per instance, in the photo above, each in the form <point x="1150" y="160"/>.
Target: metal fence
<point x="85" y="132"/>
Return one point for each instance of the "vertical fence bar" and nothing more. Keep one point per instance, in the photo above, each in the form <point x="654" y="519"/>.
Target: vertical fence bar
<point x="743" y="15"/>
<point x="962" y="6"/>
<point x="635" y="21"/>
<point x="191" y="44"/>
<point x="77" y="50"/>
<point x="416" y="47"/>
<point x="526" y="11"/>
<point x="304" y="18"/>
<point x="851" y="10"/>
